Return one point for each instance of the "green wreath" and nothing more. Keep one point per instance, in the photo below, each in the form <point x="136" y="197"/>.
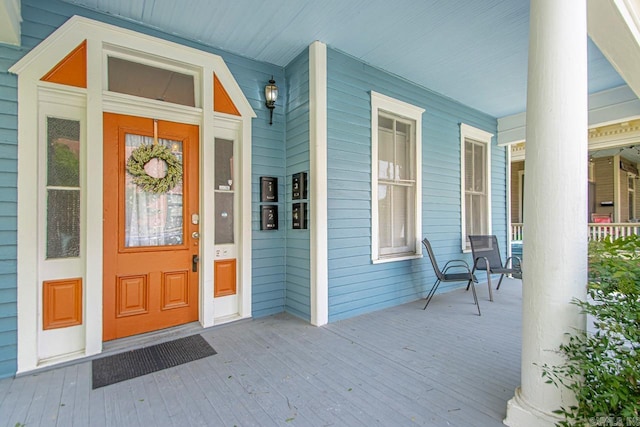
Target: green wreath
<point x="141" y="156"/>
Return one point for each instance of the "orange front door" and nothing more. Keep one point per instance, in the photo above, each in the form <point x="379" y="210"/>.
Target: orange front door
<point x="150" y="254"/>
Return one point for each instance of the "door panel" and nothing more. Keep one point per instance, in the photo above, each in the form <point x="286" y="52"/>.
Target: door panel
<point x="148" y="281"/>
<point x="224" y="278"/>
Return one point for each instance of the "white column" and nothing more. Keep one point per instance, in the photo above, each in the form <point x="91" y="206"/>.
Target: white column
<point x="318" y="183"/>
<point x="555" y="234"/>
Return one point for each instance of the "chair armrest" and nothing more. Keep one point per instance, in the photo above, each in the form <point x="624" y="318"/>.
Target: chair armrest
<point x="457" y="263"/>
<point x="486" y="263"/>
<point x="512" y="259"/>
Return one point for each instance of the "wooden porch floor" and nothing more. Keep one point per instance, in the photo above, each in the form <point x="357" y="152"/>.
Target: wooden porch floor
<point x="401" y="366"/>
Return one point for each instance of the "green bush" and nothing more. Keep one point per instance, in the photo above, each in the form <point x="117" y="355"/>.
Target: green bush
<point x="603" y="368"/>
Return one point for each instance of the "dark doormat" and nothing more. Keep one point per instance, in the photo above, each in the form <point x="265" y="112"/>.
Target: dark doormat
<point x="135" y="363"/>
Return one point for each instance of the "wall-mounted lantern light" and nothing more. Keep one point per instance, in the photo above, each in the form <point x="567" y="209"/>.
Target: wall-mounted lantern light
<point x="271" y="94"/>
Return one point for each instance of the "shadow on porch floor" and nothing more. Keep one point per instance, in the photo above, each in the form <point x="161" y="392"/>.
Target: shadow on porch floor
<point x="401" y="366"/>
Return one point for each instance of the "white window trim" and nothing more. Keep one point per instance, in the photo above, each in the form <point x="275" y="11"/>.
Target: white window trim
<point x="379" y="103"/>
<point x="479" y="135"/>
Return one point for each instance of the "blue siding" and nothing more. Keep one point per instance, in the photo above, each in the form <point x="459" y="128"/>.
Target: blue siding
<point x="8" y="211"/>
<point x="355" y="284"/>
<point x="268" y="153"/>
<point x="297" y="157"/>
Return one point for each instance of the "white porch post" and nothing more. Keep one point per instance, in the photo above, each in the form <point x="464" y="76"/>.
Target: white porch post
<point x="555" y="237"/>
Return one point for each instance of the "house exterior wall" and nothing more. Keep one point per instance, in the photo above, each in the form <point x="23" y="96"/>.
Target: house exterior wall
<point x="40" y="19"/>
<point x="8" y="211"/>
<point x="281" y="259"/>
<point x="298" y="261"/>
<point x="605" y="170"/>
<point x="604" y="184"/>
<point x="355" y="284"/>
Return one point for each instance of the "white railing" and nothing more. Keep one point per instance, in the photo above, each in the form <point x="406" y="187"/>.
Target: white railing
<point x="597" y="231"/>
<point x="516" y="231"/>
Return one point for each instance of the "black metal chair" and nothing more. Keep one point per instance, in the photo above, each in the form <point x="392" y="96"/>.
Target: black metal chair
<point x="486" y="256"/>
<point x="443" y="276"/>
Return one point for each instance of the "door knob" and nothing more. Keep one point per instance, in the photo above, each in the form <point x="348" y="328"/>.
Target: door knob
<point x="195" y="235"/>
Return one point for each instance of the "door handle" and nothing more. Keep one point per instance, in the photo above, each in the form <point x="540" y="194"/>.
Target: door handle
<point x="194" y="263"/>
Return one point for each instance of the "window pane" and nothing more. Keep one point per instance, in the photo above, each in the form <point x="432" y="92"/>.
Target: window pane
<point x="403" y="218"/>
<point x="478" y="168"/>
<point x="468" y="166"/>
<point x="395" y="218"/>
<point x="150" y="82"/>
<point x="467" y="216"/>
<point x="63" y="223"/>
<point x="385" y="154"/>
<point x="63" y="206"/>
<point x="399" y="216"/>
<point x="403" y="152"/>
<point x="152" y="219"/>
<point x="385" y="122"/>
<point x="63" y="152"/>
<point x="224" y="218"/>
<point x="478" y="214"/>
<point x="384" y="216"/>
<point x="403" y="128"/>
<point x="224" y="164"/>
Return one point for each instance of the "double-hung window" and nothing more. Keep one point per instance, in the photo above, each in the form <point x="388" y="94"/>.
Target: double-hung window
<point x="476" y="182"/>
<point x="396" y="179"/>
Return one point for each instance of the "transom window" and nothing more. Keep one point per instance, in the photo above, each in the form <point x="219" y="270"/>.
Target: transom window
<point x="396" y="172"/>
<point x="476" y="182"/>
<point x="146" y="81"/>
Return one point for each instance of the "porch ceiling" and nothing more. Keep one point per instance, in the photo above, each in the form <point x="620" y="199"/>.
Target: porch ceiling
<point x="472" y="51"/>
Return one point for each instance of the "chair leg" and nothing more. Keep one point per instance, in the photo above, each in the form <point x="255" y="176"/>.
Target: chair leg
<point x="431" y="293"/>
<point x="475" y="296"/>
<point x="472" y="274"/>
<point x="500" y="281"/>
<point x="489" y="284"/>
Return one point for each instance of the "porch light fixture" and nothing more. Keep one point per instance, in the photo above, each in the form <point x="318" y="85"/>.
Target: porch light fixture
<point x="271" y="95"/>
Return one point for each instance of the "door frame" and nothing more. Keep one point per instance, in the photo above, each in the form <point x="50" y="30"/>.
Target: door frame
<point x="100" y="38"/>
